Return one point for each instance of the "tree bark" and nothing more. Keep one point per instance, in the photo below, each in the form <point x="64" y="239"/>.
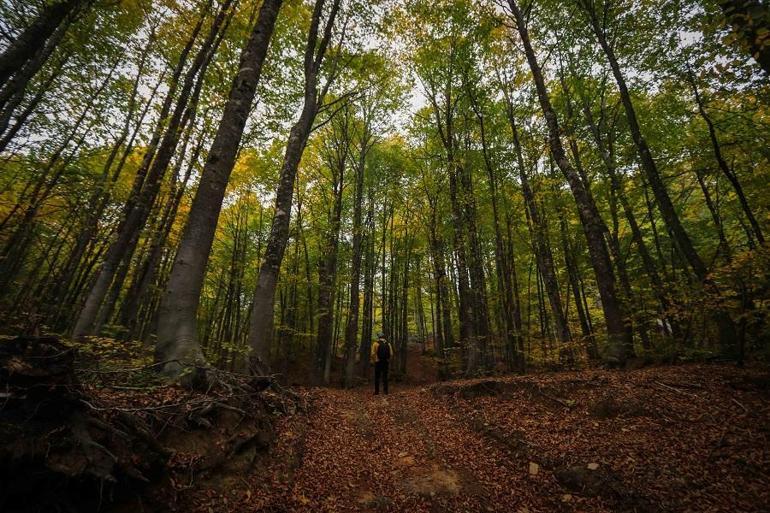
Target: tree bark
<point x="369" y="271"/>
<point x="177" y="329"/>
<point x="351" y="329"/>
<point x="32" y="40"/>
<point x="148" y="182"/>
<point x="337" y="151"/>
<point x="261" y="322"/>
<point x="726" y="170"/>
<point x="543" y="253"/>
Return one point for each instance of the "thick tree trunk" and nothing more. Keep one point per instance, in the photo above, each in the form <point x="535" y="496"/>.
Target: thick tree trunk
<point x="261" y="322"/>
<point x="177" y="329"/>
<point x="478" y="290"/>
<point x="351" y="329"/>
<point x="146" y="273"/>
<point x="32" y="40"/>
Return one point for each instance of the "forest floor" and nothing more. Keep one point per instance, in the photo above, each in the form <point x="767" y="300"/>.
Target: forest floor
<point x="684" y="438"/>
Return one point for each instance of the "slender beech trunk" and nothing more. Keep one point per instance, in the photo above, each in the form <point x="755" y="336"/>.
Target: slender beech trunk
<point x="618" y="333"/>
<point x="573" y="276"/>
<point x="543" y="253"/>
<point x="478" y="350"/>
<point x="336" y="160"/>
<point x="369" y="270"/>
<point x="403" y="328"/>
<point x="261" y="322"/>
<point x="443" y="100"/>
<point x="98" y="202"/>
<point x="351" y="329"/>
<point x="147" y="271"/>
<point x="724" y="246"/>
<point x="10" y="100"/>
<point x="445" y="337"/>
<point x="177" y="330"/>
<point x="520" y="360"/>
<point x="14" y="252"/>
<point x="726" y="170"/>
<point x="680" y="237"/>
<point x="148" y="178"/>
<point x="648" y="262"/>
<point x="511" y="330"/>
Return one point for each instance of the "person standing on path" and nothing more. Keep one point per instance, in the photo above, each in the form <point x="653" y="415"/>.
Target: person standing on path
<point x="380" y="357"/>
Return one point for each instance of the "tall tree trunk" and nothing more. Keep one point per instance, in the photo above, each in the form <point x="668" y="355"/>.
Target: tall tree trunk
<point x="726" y="170"/>
<point x="177" y="331"/>
<point x="649" y="264"/>
<point x="351" y="329"/>
<point x="147" y="271"/>
<point x="543" y="253"/>
<point x="336" y="160"/>
<point x="502" y="264"/>
<point x="668" y="212"/>
<point x="150" y="176"/>
<point x="32" y="39"/>
<point x="519" y="360"/>
<point x="14" y="252"/>
<point x="261" y="322"/>
<point x="98" y="201"/>
<point x="12" y="97"/>
<point x="369" y="271"/>
<point x="480" y="309"/>
<point x="618" y="333"/>
<point x="445" y="339"/>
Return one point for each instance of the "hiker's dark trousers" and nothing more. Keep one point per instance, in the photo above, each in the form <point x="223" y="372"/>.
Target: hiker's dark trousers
<point x="381" y="371"/>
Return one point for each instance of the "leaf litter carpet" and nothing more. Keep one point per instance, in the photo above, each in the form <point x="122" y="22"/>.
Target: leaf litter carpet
<point x="687" y="438"/>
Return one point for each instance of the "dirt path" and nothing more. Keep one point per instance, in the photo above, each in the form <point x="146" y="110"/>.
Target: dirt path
<point x="664" y="439"/>
<point x="403" y="452"/>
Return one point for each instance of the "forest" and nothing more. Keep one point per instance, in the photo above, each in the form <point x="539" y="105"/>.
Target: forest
<point x="553" y="211"/>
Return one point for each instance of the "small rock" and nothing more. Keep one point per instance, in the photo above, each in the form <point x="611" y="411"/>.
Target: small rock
<point x="534" y="468"/>
<point x="593" y="466"/>
<point x="567" y="497"/>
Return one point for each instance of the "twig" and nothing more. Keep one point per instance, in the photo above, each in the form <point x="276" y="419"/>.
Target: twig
<point x="745" y="410"/>
<point x="553" y="398"/>
<point x="678" y="391"/>
<point x="128" y="369"/>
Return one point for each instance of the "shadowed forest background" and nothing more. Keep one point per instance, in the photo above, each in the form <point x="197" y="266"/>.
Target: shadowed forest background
<point x="210" y="192"/>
